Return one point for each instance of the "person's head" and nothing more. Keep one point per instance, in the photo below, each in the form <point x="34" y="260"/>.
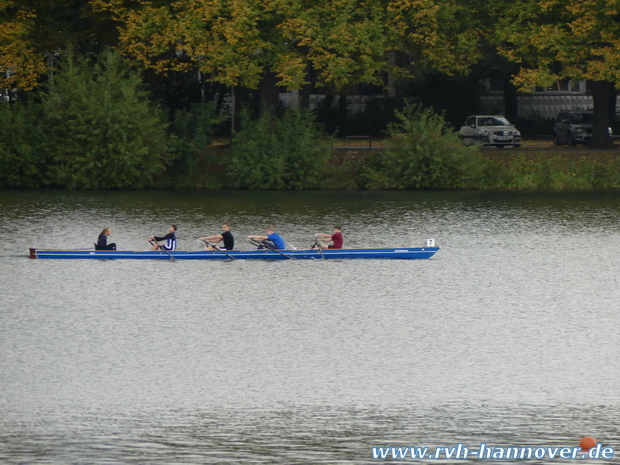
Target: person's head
<point x="338" y="228"/>
<point x="269" y="229"/>
<point x="172" y="228"/>
<point x="107" y="231"/>
<point x="226" y="226"/>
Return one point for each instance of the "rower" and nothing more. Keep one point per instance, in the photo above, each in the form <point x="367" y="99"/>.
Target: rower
<point x="336" y="238"/>
<point x="102" y="241"/>
<point x="272" y="240"/>
<point x="170" y="238"/>
<point x="226" y="237"/>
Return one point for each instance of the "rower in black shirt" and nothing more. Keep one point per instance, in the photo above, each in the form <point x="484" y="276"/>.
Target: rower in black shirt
<point x="102" y="241"/>
<point x="170" y="238"/>
<point x="226" y="237"/>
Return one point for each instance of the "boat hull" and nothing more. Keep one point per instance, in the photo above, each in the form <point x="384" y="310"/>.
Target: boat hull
<point x="402" y="253"/>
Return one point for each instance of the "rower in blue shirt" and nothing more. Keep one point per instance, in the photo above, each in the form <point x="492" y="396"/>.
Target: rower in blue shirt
<point x="170" y="238"/>
<point x="271" y="240"/>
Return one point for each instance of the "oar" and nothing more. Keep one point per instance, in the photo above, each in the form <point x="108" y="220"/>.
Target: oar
<point x="318" y="246"/>
<point x="267" y="246"/>
<point x="218" y="249"/>
<point x="162" y="248"/>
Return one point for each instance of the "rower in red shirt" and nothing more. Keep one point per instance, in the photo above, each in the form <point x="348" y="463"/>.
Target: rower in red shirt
<point x="336" y="238"/>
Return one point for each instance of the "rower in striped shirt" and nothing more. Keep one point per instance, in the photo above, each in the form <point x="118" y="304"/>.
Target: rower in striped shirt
<point x="170" y="238"/>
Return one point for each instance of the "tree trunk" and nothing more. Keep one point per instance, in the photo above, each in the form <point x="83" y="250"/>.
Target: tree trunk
<point x="343" y="108"/>
<point x="304" y="96"/>
<point x="268" y="94"/>
<point x="306" y="90"/>
<point x="613" y="95"/>
<point x="242" y="101"/>
<point x="510" y="101"/>
<point x="600" y="126"/>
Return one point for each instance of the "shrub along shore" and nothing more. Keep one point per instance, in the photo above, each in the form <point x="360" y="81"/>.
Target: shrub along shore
<point x="356" y="168"/>
<point x="420" y="152"/>
<point x="496" y="169"/>
<point x="96" y="129"/>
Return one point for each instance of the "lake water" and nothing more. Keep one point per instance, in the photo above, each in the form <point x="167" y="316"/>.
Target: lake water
<point x="508" y="336"/>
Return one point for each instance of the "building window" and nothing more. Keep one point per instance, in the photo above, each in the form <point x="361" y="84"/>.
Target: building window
<point x="561" y="85"/>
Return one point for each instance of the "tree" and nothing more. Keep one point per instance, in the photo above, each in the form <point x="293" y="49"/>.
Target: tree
<point x="424" y="152"/>
<point x="22" y="162"/>
<point x="249" y="42"/>
<point x="20" y="63"/>
<point x="102" y="132"/>
<point x="440" y="35"/>
<point x="34" y="32"/>
<point x="192" y="131"/>
<point x="566" y="39"/>
<point x="284" y="154"/>
<point x="269" y="44"/>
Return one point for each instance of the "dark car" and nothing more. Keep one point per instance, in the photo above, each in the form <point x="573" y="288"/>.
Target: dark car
<point x="574" y="127"/>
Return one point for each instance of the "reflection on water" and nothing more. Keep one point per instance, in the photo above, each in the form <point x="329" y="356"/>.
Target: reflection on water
<point x="508" y="336"/>
<point x="295" y="434"/>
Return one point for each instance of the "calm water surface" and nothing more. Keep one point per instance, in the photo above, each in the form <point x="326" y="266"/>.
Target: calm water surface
<point x="509" y="336"/>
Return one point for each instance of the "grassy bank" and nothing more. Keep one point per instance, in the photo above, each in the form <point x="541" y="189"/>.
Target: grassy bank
<point x="537" y="166"/>
<point x="567" y="169"/>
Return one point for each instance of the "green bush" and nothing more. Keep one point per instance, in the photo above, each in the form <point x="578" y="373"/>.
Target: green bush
<point x="192" y="132"/>
<point x="102" y="131"/>
<point x="424" y="153"/>
<point x="290" y="152"/>
<point x="22" y="163"/>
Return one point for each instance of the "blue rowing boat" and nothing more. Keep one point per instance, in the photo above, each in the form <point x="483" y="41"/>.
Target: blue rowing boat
<point x="401" y="253"/>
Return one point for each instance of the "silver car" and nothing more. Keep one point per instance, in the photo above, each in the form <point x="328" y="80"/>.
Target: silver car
<point x="490" y="130"/>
